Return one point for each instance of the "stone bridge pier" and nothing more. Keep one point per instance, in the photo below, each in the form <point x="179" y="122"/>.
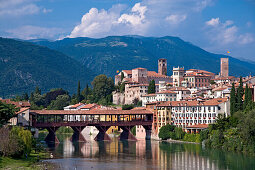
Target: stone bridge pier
<point x="51" y="137"/>
<point x="126" y="134"/>
<point x="102" y="135"/>
<point x="77" y="135"/>
<point x="148" y="129"/>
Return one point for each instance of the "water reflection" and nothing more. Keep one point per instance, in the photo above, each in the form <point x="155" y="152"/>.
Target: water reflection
<point x="145" y="155"/>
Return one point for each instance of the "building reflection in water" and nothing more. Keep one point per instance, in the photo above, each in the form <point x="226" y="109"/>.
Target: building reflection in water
<point x="145" y="154"/>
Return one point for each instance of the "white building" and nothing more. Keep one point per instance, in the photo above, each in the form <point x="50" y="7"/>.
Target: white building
<point x="187" y="113"/>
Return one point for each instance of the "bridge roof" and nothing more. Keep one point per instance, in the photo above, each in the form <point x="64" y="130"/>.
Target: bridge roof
<point x="90" y="112"/>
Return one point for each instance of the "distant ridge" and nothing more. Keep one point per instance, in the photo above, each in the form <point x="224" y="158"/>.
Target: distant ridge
<point x="24" y="65"/>
<point x="106" y="55"/>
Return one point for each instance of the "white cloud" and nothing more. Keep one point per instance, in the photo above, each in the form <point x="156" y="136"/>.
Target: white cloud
<point x="20" y="7"/>
<point x="34" y="32"/>
<point x="142" y="19"/>
<point x="226" y="33"/>
<point x="213" y="22"/>
<point x="23" y="10"/>
<point x="102" y="23"/>
<point x="137" y="16"/>
<point x="176" y="19"/>
<point x="44" y="10"/>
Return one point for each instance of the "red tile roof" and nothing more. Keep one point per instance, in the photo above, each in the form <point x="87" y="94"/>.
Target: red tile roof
<point x="22" y="110"/>
<point x="89" y="106"/>
<point x="76" y="105"/>
<point x="211" y="102"/>
<point x="89" y="112"/>
<point x="17" y="104"/>
<point x="167" y="92"/>
<point x="127" y="71"/>
<point x="154" y="74"/>
<point x="198" y="126"/>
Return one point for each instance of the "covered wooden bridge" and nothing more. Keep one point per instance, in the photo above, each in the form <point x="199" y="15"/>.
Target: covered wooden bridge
<point x="101" y="119"/>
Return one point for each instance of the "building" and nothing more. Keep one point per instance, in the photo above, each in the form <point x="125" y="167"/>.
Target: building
<point x="22" y="117"/>
<point x="137" y="82"/>
<point x="188" y="113"/>
<point x="224" y="67"/>
<point x="162" y="66"/>
<point x="178" y="76"/>
<point x="167" y="95"/>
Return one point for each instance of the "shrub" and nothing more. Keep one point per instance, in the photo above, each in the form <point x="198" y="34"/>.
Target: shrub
<point x="164" y="131"/>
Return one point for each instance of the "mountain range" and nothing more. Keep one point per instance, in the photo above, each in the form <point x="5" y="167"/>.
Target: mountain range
<point x="61" y="63"/>
<point x="23" y="66"/>
<point x="107" y="55"/>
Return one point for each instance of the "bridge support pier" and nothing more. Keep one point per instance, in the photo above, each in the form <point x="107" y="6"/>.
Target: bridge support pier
<point x="102" y="135"/>
<point x="77" y="135"/>
<point x="148" y="129"/>
<point x="126" y="134"/>
<point x="51" y="137"/>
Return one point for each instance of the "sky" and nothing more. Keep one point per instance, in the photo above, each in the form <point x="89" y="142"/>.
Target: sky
<point x="217" y="26"/>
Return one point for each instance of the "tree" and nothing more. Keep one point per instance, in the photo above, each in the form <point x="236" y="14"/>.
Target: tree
<point x="7" y="111"/>
<point x="60" y="102"/>
<point x="25" y="97"/>
<point x="37" y="90"/>
<point x="86" y="91"/>
<point x="164" y="131"/>
<point x="152" y="87"/>
<point x="240" y="93"/>
<point x="122" y="76"/>
<point x="52" y="95"/>
<point x="78" y="92"/>
<point x="102" y="87"/>
<point x="233" y="100"/>
<point x="246" y="98"/>
<point x="127" y="107"/>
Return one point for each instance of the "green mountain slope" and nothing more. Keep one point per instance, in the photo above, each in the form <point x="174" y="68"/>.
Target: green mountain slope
<point x="106" y="55"/>
<point x="24" y="65"/>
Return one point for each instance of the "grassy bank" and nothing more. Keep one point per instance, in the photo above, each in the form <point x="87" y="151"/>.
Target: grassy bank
<point x="32" y="162"/>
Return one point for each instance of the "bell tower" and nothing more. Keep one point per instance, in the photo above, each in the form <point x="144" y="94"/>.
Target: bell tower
<point x="162" y="66"/>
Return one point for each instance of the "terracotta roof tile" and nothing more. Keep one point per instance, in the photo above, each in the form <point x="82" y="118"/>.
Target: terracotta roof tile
<point x="85" y="112"/>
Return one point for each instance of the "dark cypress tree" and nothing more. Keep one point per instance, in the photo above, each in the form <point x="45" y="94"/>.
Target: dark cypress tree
<point x="122" y="76"/>
<point x="37" y="90"/>
<point x="31" y="97"/>
<point x="240" y="93"/>
<point x="25" y="97"/>
<point x="152" y="87"/>
<point x="233" y="100"/>
<point x="246" y="97"/>
<point x="78" y="97"/>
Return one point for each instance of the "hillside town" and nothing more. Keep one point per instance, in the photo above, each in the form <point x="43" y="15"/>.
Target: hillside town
<point x="190" y="99"/>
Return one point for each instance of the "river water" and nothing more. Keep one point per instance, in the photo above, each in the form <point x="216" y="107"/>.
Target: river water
<point x="143" y="155"/>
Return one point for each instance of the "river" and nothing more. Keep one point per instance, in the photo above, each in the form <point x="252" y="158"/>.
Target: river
<point x="143" y="154"/>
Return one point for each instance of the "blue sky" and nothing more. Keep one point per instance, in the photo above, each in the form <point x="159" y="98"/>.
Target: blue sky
<point x="214" y="25"/>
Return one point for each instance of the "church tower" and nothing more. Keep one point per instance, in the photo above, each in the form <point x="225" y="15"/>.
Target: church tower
<point x="162" y="66"/>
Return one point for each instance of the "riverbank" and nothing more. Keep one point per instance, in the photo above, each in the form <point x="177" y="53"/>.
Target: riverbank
<point x="31" y="162"/>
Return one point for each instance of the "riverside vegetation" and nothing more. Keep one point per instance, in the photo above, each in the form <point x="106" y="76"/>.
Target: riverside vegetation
<point x="233" y="133"/>
<point x="18" y="148"/>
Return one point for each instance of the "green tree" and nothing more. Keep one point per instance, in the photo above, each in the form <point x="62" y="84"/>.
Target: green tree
<point x="240" y="93"/>
<point x="79" y="92"/>
<point x="122" y="76"/>
<point x="86" y="91"/>
<point x="164" y="131"/>
<point x="102" y="87"/>
<point x="152" y="87"/>
<point x="233" y="100"/>
<point x="37" y="90"/>
<point x="246" y="98"/>
<point x="127" y="107"/>
<point x="25" y="97"/>
<point x="60" y="102"/>
<point x="7" y="111"/>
